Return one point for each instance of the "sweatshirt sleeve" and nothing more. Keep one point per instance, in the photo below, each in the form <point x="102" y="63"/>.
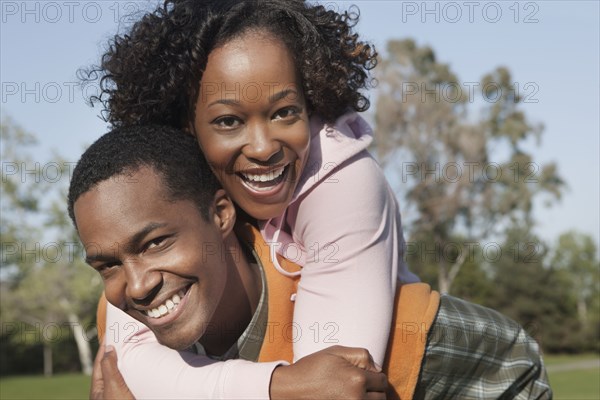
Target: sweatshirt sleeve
<point x="154" y="371"/>
<point x="349" y="229"/>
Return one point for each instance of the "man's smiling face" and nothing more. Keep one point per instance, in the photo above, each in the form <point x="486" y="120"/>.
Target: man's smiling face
<point x="160" y="259"/>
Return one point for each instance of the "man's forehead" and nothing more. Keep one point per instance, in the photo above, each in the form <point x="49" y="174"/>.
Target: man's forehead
<point x="130" y="198"/>
<point x="143" y="179"/>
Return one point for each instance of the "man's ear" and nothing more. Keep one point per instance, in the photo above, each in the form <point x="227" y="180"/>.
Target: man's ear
<point x="224" y="215"/>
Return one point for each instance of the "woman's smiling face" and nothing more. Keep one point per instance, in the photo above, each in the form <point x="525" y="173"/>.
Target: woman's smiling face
<point x="252" y="123"/>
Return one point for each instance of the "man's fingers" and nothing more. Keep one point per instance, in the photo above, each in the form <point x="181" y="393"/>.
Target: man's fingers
<point x="375" y="396"/>
<point x="114" y="384"/>
<point x="108" y="364"/>
<point x="356" y="356"/>
<point x="97" y="360"/>
<point x="97" y="388"/>
<point x="376" y="382"/>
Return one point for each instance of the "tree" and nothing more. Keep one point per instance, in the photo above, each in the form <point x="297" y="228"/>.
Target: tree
<point x="462" y="176"/>
<point x="575" y="255"/>
<point x="58" y="295"/>
<point x="20" y="198"/>
<point x="536" y="295"/>
<point x="46" y="287"/>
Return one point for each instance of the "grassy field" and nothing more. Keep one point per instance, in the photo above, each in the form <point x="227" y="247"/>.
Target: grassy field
<point x="555" y="359"/>
<point x="67" y="387"/>
<point x="575" y="384"/>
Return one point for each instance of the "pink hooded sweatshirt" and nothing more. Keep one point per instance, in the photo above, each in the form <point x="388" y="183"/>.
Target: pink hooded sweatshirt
<point x="343" y="226"/>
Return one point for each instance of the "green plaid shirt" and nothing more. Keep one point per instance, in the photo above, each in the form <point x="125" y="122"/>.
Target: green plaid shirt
<point x="474" y="352"/>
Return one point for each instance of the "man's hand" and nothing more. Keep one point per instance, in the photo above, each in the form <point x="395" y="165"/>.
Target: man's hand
<point x="107" y="381"/>
<point x="333" y="373"/>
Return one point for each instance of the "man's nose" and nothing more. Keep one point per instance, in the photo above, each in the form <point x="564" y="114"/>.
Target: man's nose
<point x="143" y="283"/>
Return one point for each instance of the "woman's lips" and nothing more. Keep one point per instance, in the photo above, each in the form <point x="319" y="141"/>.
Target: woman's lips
<point x="266" y="183"/>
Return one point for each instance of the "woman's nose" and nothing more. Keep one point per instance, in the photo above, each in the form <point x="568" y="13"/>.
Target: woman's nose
<point x="262" y="145"/>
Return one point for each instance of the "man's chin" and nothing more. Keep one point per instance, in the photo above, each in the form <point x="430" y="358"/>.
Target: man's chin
<point x="175" y="341"/>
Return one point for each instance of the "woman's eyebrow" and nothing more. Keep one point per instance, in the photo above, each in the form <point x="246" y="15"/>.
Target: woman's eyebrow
<point x="227" y="102"/>
<point x="272" y="98"/>
<point x="281" y="95"/>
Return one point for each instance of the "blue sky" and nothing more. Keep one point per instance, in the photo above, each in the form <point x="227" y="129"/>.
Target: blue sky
<point x="551" y="45"/>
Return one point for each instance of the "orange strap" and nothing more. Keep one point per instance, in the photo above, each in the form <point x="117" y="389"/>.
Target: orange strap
<point x="415" y="308"/>
<point x="277" y="343"/>
<point x="101" y="318"/>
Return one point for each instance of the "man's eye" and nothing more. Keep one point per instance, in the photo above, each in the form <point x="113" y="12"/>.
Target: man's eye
<point x="107" y="266"/>
<point x="287" y="112"/>
<point x="155" y="242"/>
<point x="227" y="122"/>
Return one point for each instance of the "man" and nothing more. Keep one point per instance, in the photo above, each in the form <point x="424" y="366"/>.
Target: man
<point x="159" y="230"/>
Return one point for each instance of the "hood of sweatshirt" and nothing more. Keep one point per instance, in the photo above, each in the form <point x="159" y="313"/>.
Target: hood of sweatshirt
<point x="330" y="146"/>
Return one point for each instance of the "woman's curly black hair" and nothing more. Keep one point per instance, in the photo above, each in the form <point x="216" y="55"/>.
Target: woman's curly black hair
<point x="151" y="75"/>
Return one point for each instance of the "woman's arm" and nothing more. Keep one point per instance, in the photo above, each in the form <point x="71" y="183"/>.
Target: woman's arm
<point x="155" y="371"/>
<point x="350" y="232"/>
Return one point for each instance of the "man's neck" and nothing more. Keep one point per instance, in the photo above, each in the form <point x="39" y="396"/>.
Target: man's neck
<point x="239" y="300"/>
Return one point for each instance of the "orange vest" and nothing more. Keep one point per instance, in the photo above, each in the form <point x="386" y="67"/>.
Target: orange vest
<point x="415" y="307"/>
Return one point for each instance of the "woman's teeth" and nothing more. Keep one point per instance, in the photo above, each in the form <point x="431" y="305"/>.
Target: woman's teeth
<point x="269" y="176"/>
<point x="167" y="307"/>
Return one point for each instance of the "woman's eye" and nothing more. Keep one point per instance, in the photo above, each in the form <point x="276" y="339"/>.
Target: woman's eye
<point x="227" y="122"/>
<point x="286" y="113"/>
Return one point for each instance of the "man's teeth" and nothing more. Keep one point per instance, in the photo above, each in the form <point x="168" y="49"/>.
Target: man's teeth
<point x="269" y="176"/>
<point x="167" y="307"/>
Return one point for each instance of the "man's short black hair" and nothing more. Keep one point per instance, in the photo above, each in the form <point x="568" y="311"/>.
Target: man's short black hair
<point x="173" y="154"/>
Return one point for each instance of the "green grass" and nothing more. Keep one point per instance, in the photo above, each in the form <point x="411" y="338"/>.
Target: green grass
<point x="555" y="359"/>
<point x="573" y="384"/>
<point x="576" y="384"/>
<point x="567" y="385"/>
<point x="59" y="387"/>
